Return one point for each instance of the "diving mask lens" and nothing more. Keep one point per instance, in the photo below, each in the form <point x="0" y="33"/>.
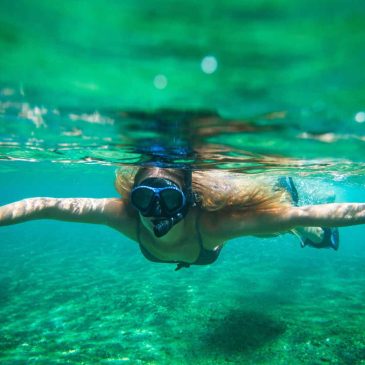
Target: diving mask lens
<point x="172" y="199"/>
<point x="142" y="198"/>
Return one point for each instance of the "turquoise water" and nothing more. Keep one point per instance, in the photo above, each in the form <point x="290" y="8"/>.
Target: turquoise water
<point x="266" y="87"/>
<point x="78" y="293"/>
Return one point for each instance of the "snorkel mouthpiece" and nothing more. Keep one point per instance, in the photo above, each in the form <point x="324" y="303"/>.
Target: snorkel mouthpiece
<point x="162" y="226"/>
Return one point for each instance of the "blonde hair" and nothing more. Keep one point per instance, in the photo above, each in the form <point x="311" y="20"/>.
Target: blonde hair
<point x="215" y="189"/>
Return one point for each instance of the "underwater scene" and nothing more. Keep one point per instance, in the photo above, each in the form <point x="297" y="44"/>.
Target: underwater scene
<point x="270" y="88"/>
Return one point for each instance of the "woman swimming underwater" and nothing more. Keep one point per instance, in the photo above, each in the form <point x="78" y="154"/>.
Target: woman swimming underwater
<point x="185" y="217"/>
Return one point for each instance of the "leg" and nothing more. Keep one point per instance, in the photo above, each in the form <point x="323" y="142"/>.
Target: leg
<point x="314" y="234"/>
<point x="318" y="237"/>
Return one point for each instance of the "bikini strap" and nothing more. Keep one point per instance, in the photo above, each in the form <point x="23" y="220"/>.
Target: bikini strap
<point x="197" y="229"/>
<point x="138" y="231"/>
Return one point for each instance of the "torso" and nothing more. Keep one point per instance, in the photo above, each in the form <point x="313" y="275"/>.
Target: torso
<point x="186" y="248"/>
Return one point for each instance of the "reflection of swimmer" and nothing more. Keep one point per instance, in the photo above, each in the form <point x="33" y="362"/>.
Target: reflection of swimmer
<point x="184" y="217"/>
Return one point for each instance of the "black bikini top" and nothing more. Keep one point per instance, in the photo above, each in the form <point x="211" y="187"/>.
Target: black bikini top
<point x="206" y="257"/>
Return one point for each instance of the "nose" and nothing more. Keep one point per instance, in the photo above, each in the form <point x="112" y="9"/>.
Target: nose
<point x="156" y="208"/>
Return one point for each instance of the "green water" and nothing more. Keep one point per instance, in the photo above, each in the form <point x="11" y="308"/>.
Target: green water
<point x="83" y="294"/>
<point x="76" y="76"/>
<point x="261" y="87"/>
<point x="271" y="54"/>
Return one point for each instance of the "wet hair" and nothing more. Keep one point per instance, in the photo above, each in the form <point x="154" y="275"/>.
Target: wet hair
<point x="213" y="189"/>
<point x="226" y="190"/>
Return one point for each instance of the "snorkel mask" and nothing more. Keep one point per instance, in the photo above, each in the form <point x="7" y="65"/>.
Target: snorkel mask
<point x="163" y="200"/>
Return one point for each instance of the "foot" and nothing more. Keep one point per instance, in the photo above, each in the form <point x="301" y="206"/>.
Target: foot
<point x="331" y="239"/>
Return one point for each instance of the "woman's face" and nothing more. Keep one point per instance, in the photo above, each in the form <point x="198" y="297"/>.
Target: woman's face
<point x="160" y="200"/>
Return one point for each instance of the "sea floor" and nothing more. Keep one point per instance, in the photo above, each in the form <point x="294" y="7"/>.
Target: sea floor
<point x="66" y="301"/>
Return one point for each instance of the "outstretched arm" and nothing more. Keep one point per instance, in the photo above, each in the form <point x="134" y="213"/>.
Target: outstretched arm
<point x="82" y="210"/>
<point x="328" y="215"/>
<point x="240" y="223"/>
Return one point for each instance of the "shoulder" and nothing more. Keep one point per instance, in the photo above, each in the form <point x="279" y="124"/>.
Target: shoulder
<point x="207" y="225"/>
<point x="122" y="217"/>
